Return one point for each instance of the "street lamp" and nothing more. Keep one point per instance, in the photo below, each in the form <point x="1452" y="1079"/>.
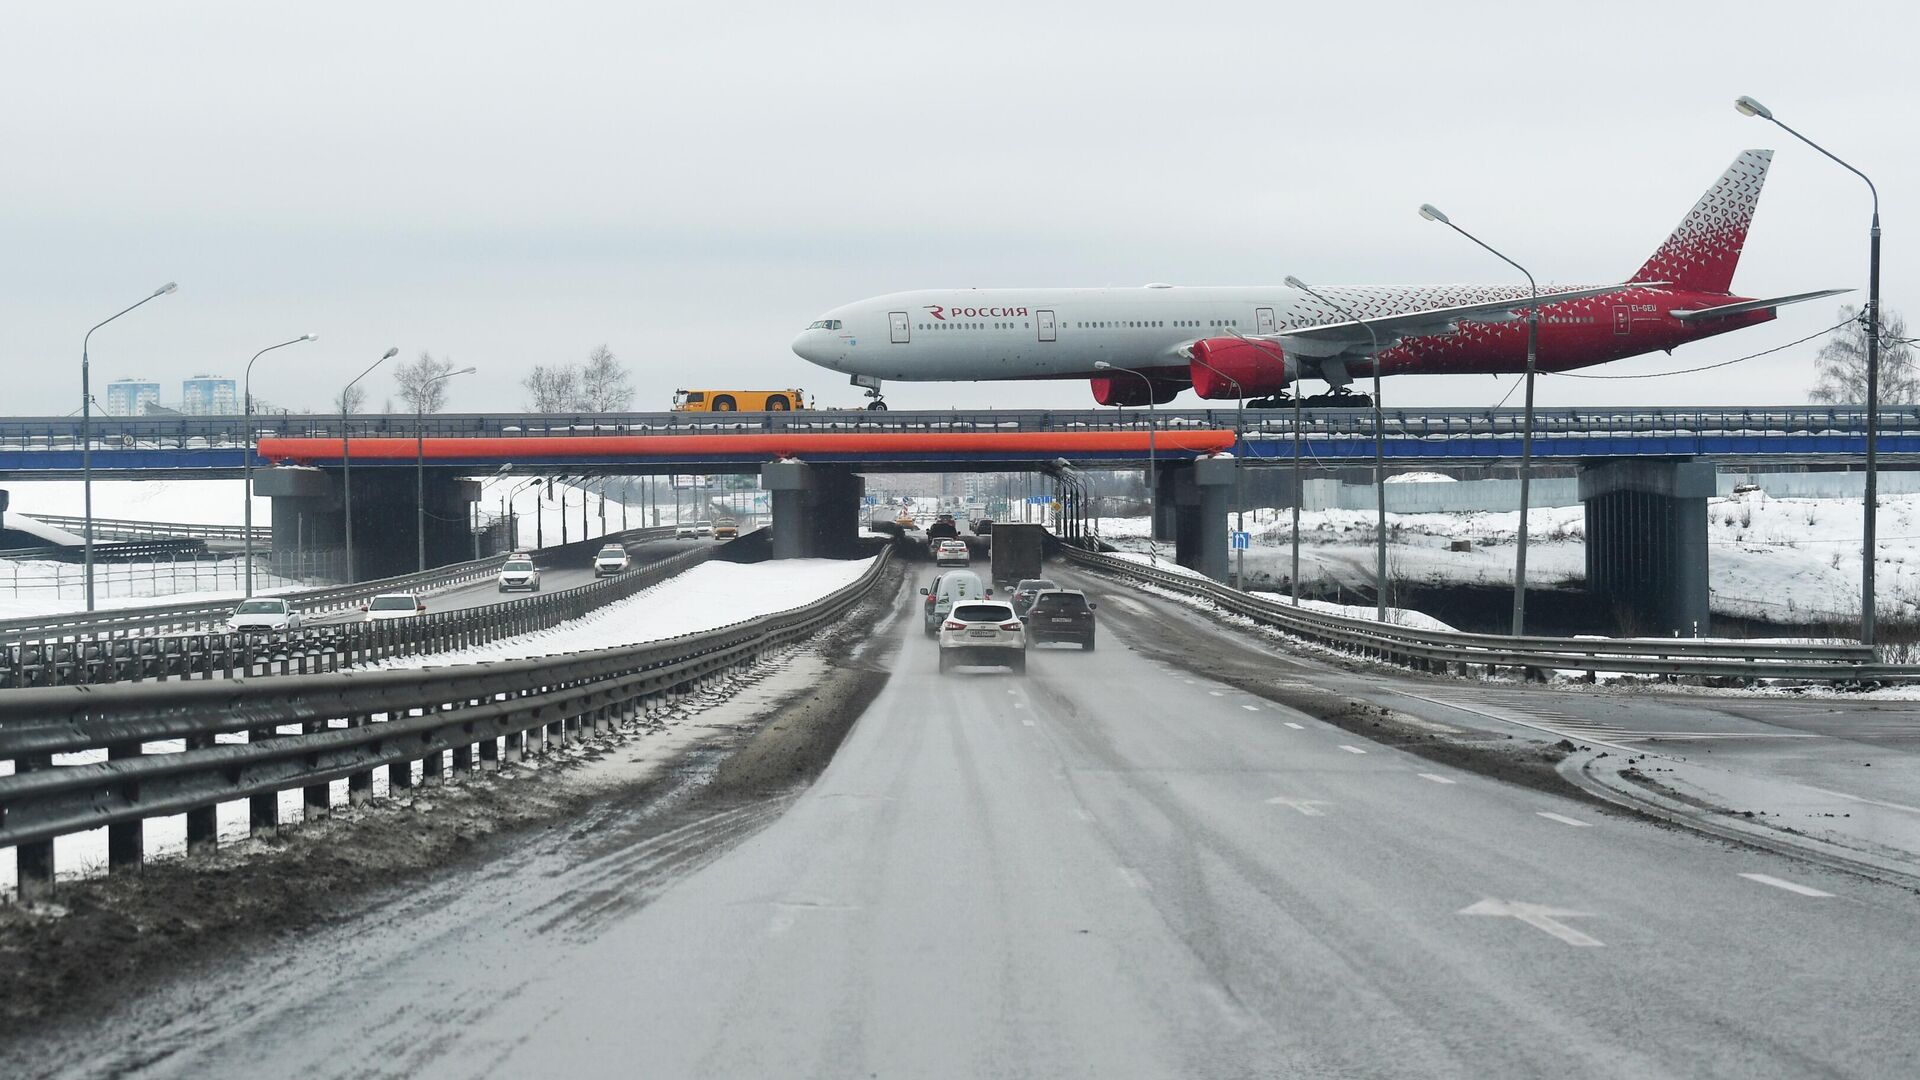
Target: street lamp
<point x="346" y="455"/>
<point x="1526" y="433"/>
<point x="420" y="463"/>
<point x="1869" y="528"/>
<point x="247" y="394"/>
<point x="1379" y="454"/>
<point x="86" y="429"/>
<point x="1153" y="486"/>
<point x="1239" y="487"/>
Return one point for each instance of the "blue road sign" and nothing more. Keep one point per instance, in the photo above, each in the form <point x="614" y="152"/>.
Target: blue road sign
<point x="1242" y="540"/>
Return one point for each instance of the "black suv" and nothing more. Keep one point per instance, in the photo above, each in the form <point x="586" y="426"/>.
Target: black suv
<point x="1061" y="615"/>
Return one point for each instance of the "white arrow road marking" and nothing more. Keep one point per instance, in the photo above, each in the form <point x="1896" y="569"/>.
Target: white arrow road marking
<point x="1538" y="916"/>
<point x="1351" y="749"/>
<point x="1294" y="726"/>
<point x="1565" y="820"/>
<point x="1778" y="883"/>
<point x="1435" y="777"/>
<point x="1308" y="807"/>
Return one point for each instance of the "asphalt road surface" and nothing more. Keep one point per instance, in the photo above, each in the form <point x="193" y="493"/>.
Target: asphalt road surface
<point x="1110" y="867"/>
<point x="553" y="578"/>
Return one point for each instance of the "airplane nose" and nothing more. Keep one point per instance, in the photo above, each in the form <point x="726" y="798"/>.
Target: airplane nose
<point x="803" y="345"/>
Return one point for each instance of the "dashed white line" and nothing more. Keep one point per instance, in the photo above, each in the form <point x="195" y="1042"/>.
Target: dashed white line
<point x="1216" y="693"/>
<point x="1435" y="777"/>
<point x="1792" y="887"/>
<point x="1251" y="708"/>
<point x="1294" y="726"/>
<point x="1134" y="877"/>
<point x="1351" y="749"/>
<point x="1564" y="820"/>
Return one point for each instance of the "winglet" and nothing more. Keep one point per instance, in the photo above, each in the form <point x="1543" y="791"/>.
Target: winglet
<point x="1704" y="250"/>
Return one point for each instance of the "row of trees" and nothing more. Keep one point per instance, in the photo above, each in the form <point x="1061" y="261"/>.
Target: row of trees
<point x="601" y="384"/>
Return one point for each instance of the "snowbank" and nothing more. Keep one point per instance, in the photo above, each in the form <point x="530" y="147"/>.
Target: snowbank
<point x="1407" y="617"/>
<point x="706" y="597"/>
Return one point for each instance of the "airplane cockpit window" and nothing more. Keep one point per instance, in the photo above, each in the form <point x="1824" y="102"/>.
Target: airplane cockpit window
<point x="824" y="324"/>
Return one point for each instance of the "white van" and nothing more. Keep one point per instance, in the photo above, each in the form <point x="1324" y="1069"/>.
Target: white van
<point x="947" y="589"/>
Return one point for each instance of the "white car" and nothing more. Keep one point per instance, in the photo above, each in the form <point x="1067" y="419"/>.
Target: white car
<point x="519" y="573"/>
<point x="703" y="527"/>
<point x="612" y="559"/>
<point x="686" y="530"/>
<point x="951" y="553"/>
<point x="983" y="633"/>
<point x="263" y="613"/>
<point x="394" y="606"/>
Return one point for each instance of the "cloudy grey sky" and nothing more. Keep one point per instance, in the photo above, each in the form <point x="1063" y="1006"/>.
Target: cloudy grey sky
<point x="692" y="182"/>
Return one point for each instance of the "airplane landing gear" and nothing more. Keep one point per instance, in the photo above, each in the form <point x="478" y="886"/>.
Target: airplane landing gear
<point x="875" y="402"/>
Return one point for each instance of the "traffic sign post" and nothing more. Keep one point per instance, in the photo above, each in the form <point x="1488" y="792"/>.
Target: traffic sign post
<point x="1239" y="541"/>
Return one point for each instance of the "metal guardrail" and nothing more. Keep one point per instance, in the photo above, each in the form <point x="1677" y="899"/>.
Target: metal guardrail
<point x="112" y="528"/>
<point x="1448" y="651"/>
<point x="230" y="432"/>
<point x="185" y="617"/>
<point x="113" y="551"/>
<point x="314" y="649"/>
<point x="306" y="731"/>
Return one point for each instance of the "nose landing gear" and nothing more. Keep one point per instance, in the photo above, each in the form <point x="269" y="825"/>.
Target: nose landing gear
<point x="875" y="402"/>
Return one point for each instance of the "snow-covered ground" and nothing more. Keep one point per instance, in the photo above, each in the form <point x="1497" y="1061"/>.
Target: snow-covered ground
<point x="1407" y="617"/>
<point x="708" y="596"/>
<point x="1786" y="560"/>
<point x="198" y="502"/>
<point x="44" y="587"/>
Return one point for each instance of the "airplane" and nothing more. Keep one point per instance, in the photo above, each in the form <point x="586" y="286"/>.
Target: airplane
<point x="1257" y="343"/>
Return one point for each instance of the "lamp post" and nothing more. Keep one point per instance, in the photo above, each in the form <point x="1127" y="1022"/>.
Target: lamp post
<point x="1153" y="476"/>
<point x="513" y="516"/>
<point x="420" y="464"/>
<point x="1869" y="526"/>
<point x="1239" y="486"/>
<point x="1379" y="453"/>
<point x="86" y="429"/>
<point x="246" y="384"/>
<point x="346" y="454"/>
<point x="1526" y="432"/>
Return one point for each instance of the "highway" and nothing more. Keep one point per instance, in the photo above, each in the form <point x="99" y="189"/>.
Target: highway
<point x="552" y="579"/>
<point x="1116" y="866"/>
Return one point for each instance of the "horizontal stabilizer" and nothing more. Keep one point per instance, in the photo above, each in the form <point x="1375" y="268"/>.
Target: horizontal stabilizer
<point x="1746" y="306"/>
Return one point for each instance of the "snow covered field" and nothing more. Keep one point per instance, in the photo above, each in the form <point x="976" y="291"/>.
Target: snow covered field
<point x="1786" y="560"/>
<point x="44" y="587"/>
<point x="198" y="502"/>
<point x="706" y="597"/>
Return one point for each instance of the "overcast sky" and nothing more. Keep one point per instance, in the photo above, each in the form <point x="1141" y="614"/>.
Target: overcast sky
<point x="691" y="183"/>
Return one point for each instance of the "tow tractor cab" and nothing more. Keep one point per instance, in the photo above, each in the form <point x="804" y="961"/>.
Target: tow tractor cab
<point x="739" y="400"/>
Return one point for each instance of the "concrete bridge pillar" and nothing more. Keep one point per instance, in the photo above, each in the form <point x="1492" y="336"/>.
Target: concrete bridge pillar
<point x="816" y="509"/>
<point x="1202" y="492"/>
<point x="1646" y="524"/>
<point x="309" y="514"/>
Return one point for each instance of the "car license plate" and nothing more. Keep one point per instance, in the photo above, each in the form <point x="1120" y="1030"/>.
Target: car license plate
<point x="1063" y="620"/>
<point x="979" y="633"/>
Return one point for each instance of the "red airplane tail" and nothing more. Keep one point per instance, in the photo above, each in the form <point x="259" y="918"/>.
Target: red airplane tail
<point x="1702" y="253"/>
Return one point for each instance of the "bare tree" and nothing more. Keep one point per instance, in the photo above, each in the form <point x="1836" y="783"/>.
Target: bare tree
<point x="605" y="385"/>
<point x="552" y="389"/>
<point x="351" y="400"/>
<point x="420" y="384"/>
<point x="1842" y="363"/>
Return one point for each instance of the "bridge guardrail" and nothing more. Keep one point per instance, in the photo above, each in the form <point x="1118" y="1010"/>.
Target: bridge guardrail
<point x="180" y="617"/>
<point x="1441" y="650"/>
<point x="348" y="724"/>
<point x="215" y="432"/>
<point x="314" y="649"/>
<point x="131" y="529"/>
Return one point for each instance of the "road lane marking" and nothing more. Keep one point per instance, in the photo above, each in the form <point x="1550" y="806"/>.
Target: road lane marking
<point x="1134" y="878"/>
<point x="1251" y="708"/>
<point x="1026" y="721"/>
<point x="1538" y="916"/>
<point x="1778" y="883"/>
<point x="1565" y="820"/>
<point x="1294" y="726"/>
<point x="1216" y="693"/>
<point x="1081" y="813"/>
<point x="1435" y="777"/>
<point x="1307" y="807"/>
<point x="1351" y="749"/>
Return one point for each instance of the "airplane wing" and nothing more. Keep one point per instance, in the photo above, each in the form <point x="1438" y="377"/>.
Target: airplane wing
<point x="1331" y="339"/>
<point x="1745" y="306"/>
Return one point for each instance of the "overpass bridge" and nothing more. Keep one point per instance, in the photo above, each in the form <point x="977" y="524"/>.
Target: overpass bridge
<point x="1646" y="472"/>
